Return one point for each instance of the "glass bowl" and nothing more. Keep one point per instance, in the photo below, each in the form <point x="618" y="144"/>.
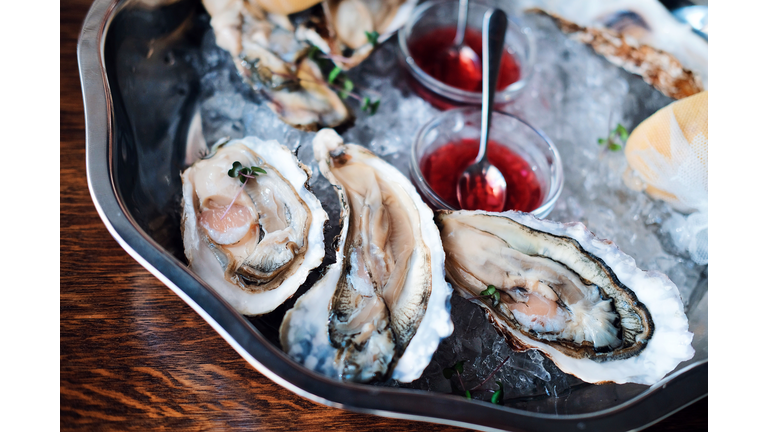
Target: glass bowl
<point x="509" y="131"/>
<point x="433" y="15"/>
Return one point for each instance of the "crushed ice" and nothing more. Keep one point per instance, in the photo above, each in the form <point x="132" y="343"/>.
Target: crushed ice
<point x="575" y="97"/>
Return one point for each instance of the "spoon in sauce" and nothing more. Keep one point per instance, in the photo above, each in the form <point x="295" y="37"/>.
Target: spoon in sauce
<point x="482" y="186"/>
<point x="461" y="54"/>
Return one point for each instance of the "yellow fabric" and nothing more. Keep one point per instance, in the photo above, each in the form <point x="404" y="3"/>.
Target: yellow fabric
<point x="668" y="151"/>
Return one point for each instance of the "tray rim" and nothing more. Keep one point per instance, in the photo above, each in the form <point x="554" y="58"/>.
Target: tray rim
<point x="675" y="392"/>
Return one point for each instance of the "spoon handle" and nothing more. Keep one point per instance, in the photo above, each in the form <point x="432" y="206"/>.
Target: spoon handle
<point x="461" y="26"/>
<point x="494" y="29"/>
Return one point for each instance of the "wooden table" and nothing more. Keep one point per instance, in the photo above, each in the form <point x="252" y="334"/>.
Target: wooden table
<point x="134" y="356"/>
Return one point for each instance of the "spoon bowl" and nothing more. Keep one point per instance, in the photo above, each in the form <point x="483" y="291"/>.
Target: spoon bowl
<point x="482" y="187"/>
<point x="432" y="18"/>
<point x="461" y="54"/>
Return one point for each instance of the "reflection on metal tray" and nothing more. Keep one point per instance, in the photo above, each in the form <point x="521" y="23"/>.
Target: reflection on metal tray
<point x="142" y="90"/>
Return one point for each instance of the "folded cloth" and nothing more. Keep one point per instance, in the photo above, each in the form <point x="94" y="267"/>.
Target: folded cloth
<point x="667" y="156"/>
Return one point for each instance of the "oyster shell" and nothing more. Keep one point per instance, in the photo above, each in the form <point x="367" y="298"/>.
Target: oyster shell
<point x="643" y="37"/>
<point x="579" y="300"/>
<point x="382" y="308"/>
<point x="254" y="243"/>
<point x="658" y="68"/>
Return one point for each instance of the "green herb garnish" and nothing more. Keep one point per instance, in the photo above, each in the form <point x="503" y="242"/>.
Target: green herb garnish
<point x="373" y="37"/>
<point x="334" y="74"/>
<point x="347" y="90"/>
<point x="339" y="81"/>
<point x="458" y="368"/>
<point x="244" y="174"/>
<point x="313" y="50"/>
<point x="498" y="395"/>
<point x="370" y="106"/>
<point x="491" y="292"/>
<point x="617" y="137"/>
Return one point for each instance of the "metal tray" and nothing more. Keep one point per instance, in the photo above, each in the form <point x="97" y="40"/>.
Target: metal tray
<point x="136" y="132"/>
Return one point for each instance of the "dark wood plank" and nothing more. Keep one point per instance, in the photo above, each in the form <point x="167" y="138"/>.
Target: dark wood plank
<point x="134" y="356"/>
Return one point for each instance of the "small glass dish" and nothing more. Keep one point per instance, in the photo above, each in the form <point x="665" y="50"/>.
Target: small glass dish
<point x="507" y="130"/>
<point x="434" y="15"/>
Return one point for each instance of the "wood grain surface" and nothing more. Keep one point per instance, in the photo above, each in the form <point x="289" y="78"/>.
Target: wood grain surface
<point x="134" y="356"/>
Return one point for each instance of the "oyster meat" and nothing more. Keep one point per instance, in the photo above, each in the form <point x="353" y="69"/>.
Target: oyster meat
<point x="578" y="299"/>
<point x="382" y="308"/>
<point x="253" y="242"/>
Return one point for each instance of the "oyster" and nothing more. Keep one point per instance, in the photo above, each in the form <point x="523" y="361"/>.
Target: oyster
<point x="658" y="68"/>
<point x="579" y="300"/>
<point x="269" y="58"/>
<point x="382" y="308"/>
<point x="346" y="26"/>
<point x="643" y="37"/>
<point x="253" y="242"/>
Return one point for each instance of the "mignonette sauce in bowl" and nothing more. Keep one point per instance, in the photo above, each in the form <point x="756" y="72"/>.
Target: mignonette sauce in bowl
<point x="448" y="144"/>
<point x="429" y="33"/>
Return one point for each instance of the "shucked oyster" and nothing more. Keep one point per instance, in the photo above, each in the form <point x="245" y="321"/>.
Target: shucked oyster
<point x="345" y="29"/>
<point x="270" y="48"/>
<point x="253" y="242"/>
<point x="268" y="56"/>
<point x="382" y="308"/>
<point x="578" y="299"/>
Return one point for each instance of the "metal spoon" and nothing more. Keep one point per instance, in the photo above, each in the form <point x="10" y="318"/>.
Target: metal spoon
<point x="481" y="185"/>
<point x="460" y="51"/>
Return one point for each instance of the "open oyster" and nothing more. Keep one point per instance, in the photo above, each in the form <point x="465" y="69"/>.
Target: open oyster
<point x="253" y="242"/>
<point x="381" y="310"/>
<point x="579" y="300"/>
<point x="270" y="48"/>
<point x="269" y="58"/>
<point x="345" y="29"/>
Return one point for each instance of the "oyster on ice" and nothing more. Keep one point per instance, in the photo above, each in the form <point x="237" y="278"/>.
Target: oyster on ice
<point x="269" y="58"/>
<point x="382" y="308"/>
<point x="270" y="43"/>
<point x="346" y="26"/>
<point x="578" y="299"/>
<point x="253" y="242"/>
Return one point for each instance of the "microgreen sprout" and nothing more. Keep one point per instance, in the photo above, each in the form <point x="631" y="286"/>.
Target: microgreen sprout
<point x="244" y="174"/>
<point x="458" y="369"/>
<point x="370" y="106"/>
<point x="498" y="395"/>
<point x="333" y="74"/>
<point x="338" y="80"/>
<point x="373" y="37"/>
<point x="347" y="90"/>
<point x="490" y="375"/>
<point x="491" y="292"/>
<point x="616" y="138"/>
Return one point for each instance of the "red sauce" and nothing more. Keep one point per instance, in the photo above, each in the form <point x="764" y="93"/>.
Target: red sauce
<point x="442" y="168"/>
<point x="429" y="53"/>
